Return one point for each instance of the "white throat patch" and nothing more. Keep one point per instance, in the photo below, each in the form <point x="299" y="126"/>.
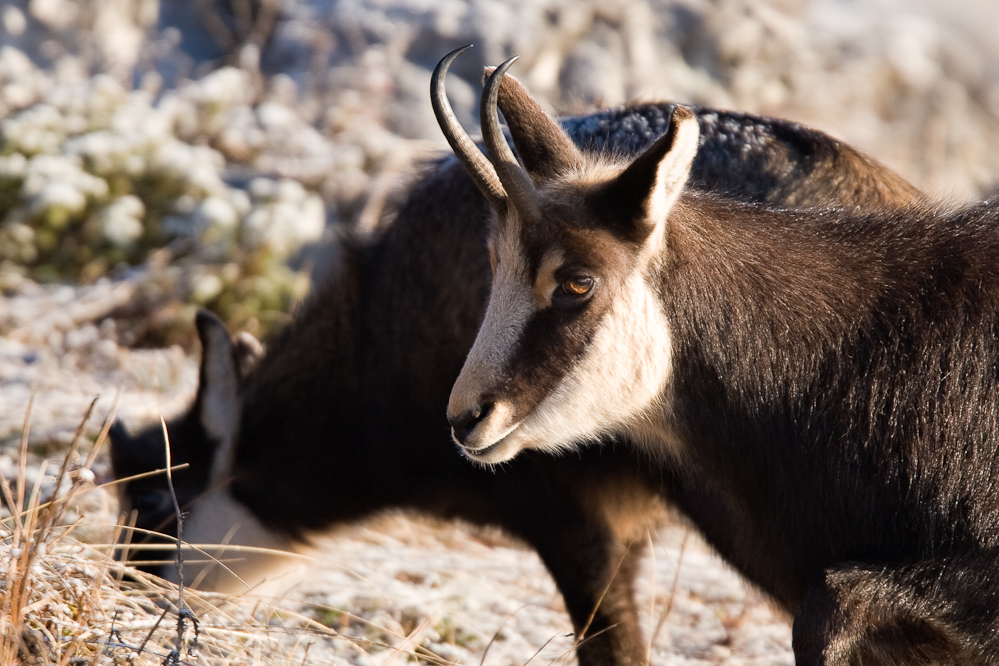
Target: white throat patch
<point x="620" y="383"/>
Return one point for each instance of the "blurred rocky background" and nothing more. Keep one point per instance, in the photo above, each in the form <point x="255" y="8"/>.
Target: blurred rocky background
<point x="207" y="142"/>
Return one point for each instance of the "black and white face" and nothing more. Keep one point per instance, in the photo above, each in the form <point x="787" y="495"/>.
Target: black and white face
<point x="144" y="495"/>
<point x="573" y="345"/>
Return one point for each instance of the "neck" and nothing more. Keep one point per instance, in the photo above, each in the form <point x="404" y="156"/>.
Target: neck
<point x="827" y="371"/>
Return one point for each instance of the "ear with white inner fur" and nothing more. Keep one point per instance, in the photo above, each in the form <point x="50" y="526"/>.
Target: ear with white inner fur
<point x="248" y="352"/>
<point x="218" y="399"/>
<point x="646" y="190"/>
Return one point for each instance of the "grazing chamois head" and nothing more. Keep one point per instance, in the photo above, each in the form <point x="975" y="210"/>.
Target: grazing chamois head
<point x="574" y="246"/>
<point x="201" y="450"/>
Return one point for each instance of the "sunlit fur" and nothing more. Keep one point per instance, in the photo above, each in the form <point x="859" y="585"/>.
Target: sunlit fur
<point x="626" y="363"/>
<point x="829" y="390"/>
<point x="344" y="416"/>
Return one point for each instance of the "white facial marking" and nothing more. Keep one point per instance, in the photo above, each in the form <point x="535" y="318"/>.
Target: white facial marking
<point x="621" y="385"/>
<point x="616" y="388"/>
<point x="502" y="327"/>
<point x="546" y="283"/>
<point x="218" y="518"/>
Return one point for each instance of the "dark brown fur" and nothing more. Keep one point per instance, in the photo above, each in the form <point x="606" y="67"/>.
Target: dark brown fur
<point x="864" y="395"/>
<point x="345" y="414"/>
<point x="832" y="404"/>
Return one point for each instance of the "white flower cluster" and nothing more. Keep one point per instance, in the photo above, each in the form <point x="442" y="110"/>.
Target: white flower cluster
<point x="93" y="174"/>
<point x="284" y="215"/>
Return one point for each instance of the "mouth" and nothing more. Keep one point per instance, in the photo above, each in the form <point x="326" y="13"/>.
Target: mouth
<point x="500" y="450"/>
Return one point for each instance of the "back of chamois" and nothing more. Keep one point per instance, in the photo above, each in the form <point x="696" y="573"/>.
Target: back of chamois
<point x="825" y="381"/>
<point x="342" y="417"/>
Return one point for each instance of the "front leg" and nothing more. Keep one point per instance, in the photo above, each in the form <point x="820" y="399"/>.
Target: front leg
<point x="595" y="572"/>
<point x="939" y="613"/>
<point x="589" y="523"/>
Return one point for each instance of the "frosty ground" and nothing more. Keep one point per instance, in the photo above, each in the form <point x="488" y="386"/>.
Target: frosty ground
<point x="466" y="589"/>
<point x="263" y="147"/>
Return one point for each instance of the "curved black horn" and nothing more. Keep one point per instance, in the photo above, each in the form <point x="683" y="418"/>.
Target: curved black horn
<point x="477" y="165"/>
<point x="516" y="182"/>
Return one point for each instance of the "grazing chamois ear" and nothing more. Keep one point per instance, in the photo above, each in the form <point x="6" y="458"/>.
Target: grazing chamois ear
<point x="219" y="382"/>
<point x="641" y="197"/>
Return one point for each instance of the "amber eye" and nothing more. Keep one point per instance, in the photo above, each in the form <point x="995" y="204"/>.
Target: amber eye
<point x="577" y="286"/>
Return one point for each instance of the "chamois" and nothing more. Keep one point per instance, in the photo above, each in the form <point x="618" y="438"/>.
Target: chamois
<point x="826" y="382"/>
<point x="343" y="415"/>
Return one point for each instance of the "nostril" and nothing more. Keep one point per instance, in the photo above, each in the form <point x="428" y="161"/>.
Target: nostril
<point x="463" y="424"/>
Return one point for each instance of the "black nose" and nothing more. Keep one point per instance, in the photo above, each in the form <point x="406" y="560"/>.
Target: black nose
<point x="463" y="424"/>
<point x="117" y="431"/>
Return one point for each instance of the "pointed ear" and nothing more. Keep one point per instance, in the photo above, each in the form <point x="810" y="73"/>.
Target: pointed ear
<point x="218" y="400"/>
<point x="543" y="146"/>
<point x="248" y="351"/>
<point x="641" y="197"/>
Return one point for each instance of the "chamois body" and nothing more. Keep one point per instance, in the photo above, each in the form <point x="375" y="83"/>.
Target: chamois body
<point x="834" y="380"/>
<point x="343" y="416"/>
<point x="824" y="383"/>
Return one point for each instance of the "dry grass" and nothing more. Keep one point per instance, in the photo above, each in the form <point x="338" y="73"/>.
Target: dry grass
<point x="66" y="602"/>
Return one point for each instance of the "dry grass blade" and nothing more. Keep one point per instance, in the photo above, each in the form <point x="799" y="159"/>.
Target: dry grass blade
<point x="23" y="456"/>
<point x="407" y="645"/>
<point x="672" y="590"/>
<point x="103" y="435"/>
<point x="64" y="602"/>
<point x="652" y="597"/>
<point x="496" y="633"/>
<point x="583" y="634"/>
<point x="55" y="510"/>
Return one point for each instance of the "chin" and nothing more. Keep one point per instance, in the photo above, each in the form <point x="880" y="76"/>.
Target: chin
<point x="492" y="454"/>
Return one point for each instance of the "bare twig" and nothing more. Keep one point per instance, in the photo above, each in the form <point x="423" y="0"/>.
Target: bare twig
<point x="183" y="614"/>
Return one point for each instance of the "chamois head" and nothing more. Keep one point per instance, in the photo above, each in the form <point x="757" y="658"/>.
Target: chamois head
<point x="201" y="444"/>
<point x="574" y="247"/>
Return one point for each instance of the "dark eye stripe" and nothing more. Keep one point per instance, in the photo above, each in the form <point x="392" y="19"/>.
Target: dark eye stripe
<point x="548" y="349"/>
